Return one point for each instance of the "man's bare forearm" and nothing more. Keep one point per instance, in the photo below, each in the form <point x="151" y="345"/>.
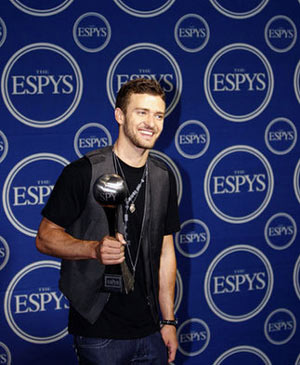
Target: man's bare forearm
<point x="52" y="240"/>
<point x="167" y="278"/>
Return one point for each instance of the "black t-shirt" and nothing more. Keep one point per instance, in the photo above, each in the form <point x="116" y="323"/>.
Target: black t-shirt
<point x="125" y="315"/>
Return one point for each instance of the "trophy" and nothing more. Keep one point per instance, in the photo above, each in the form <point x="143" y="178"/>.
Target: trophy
<point x="110" y="191"/>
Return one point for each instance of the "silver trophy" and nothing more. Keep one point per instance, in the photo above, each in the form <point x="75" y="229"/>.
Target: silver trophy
<point x="110" y="191"/>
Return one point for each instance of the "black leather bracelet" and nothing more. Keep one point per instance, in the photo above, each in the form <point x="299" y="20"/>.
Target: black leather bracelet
<point x="170" y="322"/>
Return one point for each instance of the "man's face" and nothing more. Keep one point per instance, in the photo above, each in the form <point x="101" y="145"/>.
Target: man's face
<point x="144" y="119"/>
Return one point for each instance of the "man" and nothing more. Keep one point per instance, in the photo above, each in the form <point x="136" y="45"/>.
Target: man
<point x="119" y="327"/>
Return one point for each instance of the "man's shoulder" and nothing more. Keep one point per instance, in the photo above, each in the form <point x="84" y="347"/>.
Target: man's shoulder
<point x="78" y="165"/>
<point x="158" y="162"/>
<point x="98" y="155"/>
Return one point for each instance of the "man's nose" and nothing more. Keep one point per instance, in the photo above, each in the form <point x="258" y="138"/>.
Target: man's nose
<point x="150" y="120"/>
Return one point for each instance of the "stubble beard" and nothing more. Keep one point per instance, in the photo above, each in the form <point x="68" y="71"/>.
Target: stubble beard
<point x="135" y="140"/>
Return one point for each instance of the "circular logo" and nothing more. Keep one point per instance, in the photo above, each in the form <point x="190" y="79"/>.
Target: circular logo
<point x="170" y="163"/>
<point x="238" y="184"/>
<point x="45" y="76"/>
<point x="91" y="136"/>
<point x="240" y="9"/>
<point x="41" y="8"/>
<point x="29" y="298"/>
<point x="3" y="32"/>
<point x="298" y="360"/>
<point x="178" y="292"/>
<point x="280" y="33"/>
<point x="296" y="277"/>
<point x="193" y="337"/>
<point x="27" y="187"/>
<point x="280" y="326"/>
<point x="243" y="355"/>
<point x="238" y="283"/>
<point x="192" y="139"/>
<point x="145" y="9"/>
<point x="5" y="355"/>
<point x="238" y="82"/>
<point x="3" y="146"/>
<point x="297" y="181"/>
<point x="297" y="81"/>
<point x="193" y="238"/>
<point x="191" y="33"/>
<point x="281" y="136"/>
<point x="91" y="32"/>
<point x="280" y="231"/>
<point x="149" y="61"/>
<point x="4" y="253"/>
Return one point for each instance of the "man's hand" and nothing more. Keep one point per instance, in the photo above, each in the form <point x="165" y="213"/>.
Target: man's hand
<point x="111" y="250"/>
<point x="168" y="333"/>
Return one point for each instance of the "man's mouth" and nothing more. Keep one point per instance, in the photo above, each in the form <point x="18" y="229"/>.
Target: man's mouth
<point x="146" y="132"/>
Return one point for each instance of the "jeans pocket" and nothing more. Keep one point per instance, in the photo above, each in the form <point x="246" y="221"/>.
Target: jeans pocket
<point x="91" y="342"/>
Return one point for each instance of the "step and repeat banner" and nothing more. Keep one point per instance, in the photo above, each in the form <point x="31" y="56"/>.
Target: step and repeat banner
<point x="231" y="73"/>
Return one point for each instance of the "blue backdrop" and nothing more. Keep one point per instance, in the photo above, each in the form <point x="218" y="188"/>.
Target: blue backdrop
<point x="231" y="72"/>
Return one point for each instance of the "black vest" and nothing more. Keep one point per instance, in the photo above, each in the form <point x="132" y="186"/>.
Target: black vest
<point x="80" y="280"/>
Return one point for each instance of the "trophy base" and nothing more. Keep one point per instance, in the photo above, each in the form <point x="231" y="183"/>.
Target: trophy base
<point x="113" y="283"/>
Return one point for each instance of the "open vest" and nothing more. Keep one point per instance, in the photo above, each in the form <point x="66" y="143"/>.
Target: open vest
<point x="80" y="280"/>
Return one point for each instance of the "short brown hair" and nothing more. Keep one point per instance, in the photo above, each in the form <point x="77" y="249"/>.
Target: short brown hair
<point x="138" y="86"/>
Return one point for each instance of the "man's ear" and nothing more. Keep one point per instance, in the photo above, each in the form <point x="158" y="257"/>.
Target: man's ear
<point x="119" y="115"/>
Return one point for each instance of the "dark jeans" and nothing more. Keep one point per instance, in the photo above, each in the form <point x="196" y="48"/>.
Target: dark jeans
<point x="102" y="351"/>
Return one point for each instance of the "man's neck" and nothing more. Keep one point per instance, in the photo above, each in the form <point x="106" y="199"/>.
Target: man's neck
<point x="131" y="155"/>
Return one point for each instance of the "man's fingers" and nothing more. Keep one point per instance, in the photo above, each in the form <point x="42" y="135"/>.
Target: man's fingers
<point x="120" y="238"/>
<point x="112" y="260"/>
<point x="112" y="242"/>
<point x="171" y="354"/>
<point x="110" y="251"/>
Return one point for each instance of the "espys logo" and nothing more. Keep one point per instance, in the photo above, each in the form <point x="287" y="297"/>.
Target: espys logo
<point x="296" y="277"/>
<point x="34" y="307"/>
<point x="191" y="33"/>
<point x="27" y="187"/>
<point x="297" y="81"/>
<point x="280" y="326"/>
<point x="41" y="8"/>
<point x="3" y="146"/>
<point x="171" y="165"/>
<point x="192" y="139"/>
<point x="281" y="136"/>
<point x="193" y="337"/>
<point x="297" y="181"/>
<point x="178" y="292"/>
<point x="238" y="184"/>
<point x="280" y="231"/>
<point x="149" y="61"/>
<point x="280" y="33"/>
<point x="243" y="355"/>
<point x="5" y="355"/>
<point x="4" y="253"/>
<point x="144" y="9"/>
<point x="91" y="136"/>
<point x="238" y="283"/>
<point x="239" y="9"/>
<point x="193" y="238"/>
<point x="91" y="32"/>
<point x="238" y="82"/>
<point x="3" y="32"/>
<point x="41" y="85"/>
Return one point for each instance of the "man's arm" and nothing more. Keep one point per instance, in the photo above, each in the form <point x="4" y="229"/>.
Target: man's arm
<point x="167" y="279"/>
<point x="52" y="240"/>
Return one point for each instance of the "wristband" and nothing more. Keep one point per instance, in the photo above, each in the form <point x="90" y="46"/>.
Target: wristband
<point x="168" y="322"/>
